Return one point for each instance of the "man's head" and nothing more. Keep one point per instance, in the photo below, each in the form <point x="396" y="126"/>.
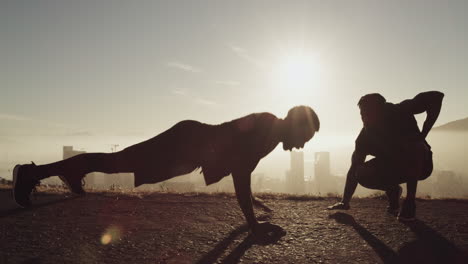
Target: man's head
<point x="371" y="106"/>
<point x="302" y="123"/>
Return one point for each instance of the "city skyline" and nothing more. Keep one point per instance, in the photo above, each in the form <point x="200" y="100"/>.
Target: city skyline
<point x="93" y="74"/>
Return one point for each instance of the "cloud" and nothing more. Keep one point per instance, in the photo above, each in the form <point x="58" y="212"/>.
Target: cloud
<point x="205" y="102"/>
<point x="193" y="98"/>
<point x="132" y="134"/>
<point x="238" y="50"/>
<point x="243" y="53"/>
<point x="227" y="83"/>
<point x="53" y="129"/>
<point x="179" y="92"/>
<point x="13" y="117"/>
<point x="78" y="134"/>
<point x="185" y="95"/>
<point x="183" y="66"/>
<point x="4" y="116"/>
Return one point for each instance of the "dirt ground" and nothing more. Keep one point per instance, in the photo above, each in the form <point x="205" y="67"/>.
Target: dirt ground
<point x="115" y="227"/>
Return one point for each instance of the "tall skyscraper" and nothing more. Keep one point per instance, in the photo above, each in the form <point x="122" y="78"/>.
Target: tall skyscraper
<point x="322" y="172"/>
<point x="295" y="176"/>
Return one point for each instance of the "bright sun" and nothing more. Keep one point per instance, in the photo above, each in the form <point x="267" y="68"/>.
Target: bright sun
<point x="298" y="72"/>
<point x="296" y="76"/>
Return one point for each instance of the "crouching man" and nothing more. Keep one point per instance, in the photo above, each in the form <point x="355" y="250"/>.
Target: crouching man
<point x="391" y="134"/>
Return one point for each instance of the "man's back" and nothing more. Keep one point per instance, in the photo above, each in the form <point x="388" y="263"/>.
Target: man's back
<point x="400" y="123"/>
<point x="217" y="149"/>
<point x="387" y="138"/>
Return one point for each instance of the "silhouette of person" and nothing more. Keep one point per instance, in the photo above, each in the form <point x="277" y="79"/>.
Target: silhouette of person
<point x="234" y="147"/>
<point x="391" y="134"/>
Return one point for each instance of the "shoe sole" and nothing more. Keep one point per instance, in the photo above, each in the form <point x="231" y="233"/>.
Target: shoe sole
<point x="15" y="177"/>
<point x="406" y="219"/>
<point x="330" y="208"/>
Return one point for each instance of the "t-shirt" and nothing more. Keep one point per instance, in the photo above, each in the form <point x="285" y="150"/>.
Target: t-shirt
<point x="388" y="139"/>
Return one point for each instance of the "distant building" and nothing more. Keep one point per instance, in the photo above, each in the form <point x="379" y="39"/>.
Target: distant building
<point x="258" y="182"/>
<point x="295" y="176"/>
<point x="69" y="152"/>
<point x="322" y="172"/>
<point x="325" y="182"/>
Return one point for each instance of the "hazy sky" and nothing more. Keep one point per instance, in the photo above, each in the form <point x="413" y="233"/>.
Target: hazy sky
<point x="122" y="71"/>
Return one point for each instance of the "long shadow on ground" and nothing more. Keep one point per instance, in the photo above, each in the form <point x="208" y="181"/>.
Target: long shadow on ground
<point x="219" y="249"/>
<point x="237" y="253"/>
<point x="430" y="247"/>
<point x="385" y="253"/>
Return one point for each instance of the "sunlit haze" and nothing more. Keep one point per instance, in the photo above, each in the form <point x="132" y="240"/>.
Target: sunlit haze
<point x="94" y="74"/>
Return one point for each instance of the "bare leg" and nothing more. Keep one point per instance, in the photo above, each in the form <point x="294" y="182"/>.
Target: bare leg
<point x="71" y="171"/>
<point x="414" y="173"/>
<point x="371" y="175"/>
<point x="86" y="163"/>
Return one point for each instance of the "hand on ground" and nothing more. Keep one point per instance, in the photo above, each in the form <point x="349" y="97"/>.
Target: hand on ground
<point x="339" y="206"/>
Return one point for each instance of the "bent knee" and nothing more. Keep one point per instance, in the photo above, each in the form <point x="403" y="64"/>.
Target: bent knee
<point x="366" y="171"/>
<point x="368" y="176"/>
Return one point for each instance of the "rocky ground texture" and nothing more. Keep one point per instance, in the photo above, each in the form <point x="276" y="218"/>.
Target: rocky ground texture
<point x="139" y="227"/>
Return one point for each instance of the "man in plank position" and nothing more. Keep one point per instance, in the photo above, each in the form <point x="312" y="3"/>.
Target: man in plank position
<point x="234" y="147"/>
<point x="391" y="134"/>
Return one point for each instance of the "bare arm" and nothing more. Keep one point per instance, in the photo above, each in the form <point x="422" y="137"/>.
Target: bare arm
<point x="351" y="179"/>
<point x="351" y="182"/>
<point x="244" y="196"/>
<point x="429" y="102"/>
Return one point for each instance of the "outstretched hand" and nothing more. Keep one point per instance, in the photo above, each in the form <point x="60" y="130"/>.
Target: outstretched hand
<point x="339" y="206"/>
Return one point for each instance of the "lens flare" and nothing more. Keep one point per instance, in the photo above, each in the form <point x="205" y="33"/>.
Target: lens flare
<point x="106" y="239"/>
<point x="111" y="235"/>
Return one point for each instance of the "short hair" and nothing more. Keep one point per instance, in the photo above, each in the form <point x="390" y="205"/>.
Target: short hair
<point x="304" y="115"/>
<point x="373" y="99"/>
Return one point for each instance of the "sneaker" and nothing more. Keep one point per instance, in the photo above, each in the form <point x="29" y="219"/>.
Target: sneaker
<point x="74" y="183"/>
<point x="24" y="182"/>
<point x="408" y="211"/>
<point x="393" y="197"/>
<point x="339" y="206"/>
